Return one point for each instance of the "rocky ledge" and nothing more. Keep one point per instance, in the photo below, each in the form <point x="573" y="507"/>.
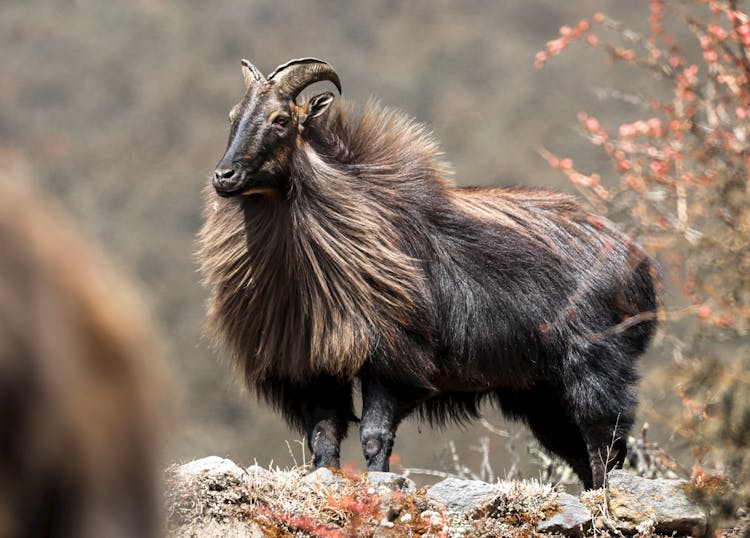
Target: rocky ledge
<point x="214" y="497"/>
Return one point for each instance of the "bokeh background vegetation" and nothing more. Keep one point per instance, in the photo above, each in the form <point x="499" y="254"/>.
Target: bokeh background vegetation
<point x="119" y="109"/>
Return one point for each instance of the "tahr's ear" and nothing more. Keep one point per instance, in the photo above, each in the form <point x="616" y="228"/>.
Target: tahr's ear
<point x="318" y="105"/>
<point x="251" y="73"/>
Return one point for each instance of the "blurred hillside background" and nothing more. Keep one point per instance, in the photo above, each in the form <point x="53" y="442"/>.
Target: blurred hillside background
<point x="119" y="109"/>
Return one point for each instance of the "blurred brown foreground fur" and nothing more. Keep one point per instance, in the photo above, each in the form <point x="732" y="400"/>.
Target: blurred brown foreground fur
<point x="78" y="454"/>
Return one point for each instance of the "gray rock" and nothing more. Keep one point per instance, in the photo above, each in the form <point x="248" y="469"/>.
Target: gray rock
<point x="324" y="477"/>
<point x="391" y="481"/>
<point x="220" y="472"/>
<point x="633" y="499"/>
<point x="258" y="472"/>
<point x="572" y="519"/>
<point x="472" y="497"/>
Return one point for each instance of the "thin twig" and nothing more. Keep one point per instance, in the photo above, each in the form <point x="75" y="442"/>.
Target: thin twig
<point x="493" y="429"/>
<point x="417" y="470"/>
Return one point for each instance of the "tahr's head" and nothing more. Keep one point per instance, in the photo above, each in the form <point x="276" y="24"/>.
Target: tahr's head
<point x="266" y="123"/>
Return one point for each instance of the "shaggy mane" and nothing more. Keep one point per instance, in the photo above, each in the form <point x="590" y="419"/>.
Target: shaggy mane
<point x="300" y="284"/>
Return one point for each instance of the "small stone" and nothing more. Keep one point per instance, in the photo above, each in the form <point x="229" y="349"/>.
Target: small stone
<point x="472" y="497"/>
<point x="324" y="477"/>
<point x="386" y="523"/>
<point x="572" y="518"/>
<point x="220" y="472"/>
<point x="405" y="518"/>
<point x="391" y="481"/>
<point x="633" y="500"/>
<point x="256" y="471"/>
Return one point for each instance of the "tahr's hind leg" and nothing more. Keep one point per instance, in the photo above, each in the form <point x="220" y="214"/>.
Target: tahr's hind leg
<point x="543" y="411"/>
<point x="607" y="447"/>
<point x="558" y="434"/>
<point x="603" y="404"/>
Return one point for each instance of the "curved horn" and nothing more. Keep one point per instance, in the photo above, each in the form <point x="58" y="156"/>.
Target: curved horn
<point x="251" y="73"/>
<point x="295" y="75"/>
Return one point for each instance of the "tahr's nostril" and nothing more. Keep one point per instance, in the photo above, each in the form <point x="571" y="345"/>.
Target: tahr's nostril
<point x="223" y="173"/>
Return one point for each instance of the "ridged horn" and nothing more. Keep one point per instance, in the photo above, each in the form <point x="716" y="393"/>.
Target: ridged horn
<point x="251" y="73"/>
<point x="295" y="75"/>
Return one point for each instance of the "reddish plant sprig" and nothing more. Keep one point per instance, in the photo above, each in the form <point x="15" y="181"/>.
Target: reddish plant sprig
<point x="681" y="184"/>
<point x="680" y="155"/>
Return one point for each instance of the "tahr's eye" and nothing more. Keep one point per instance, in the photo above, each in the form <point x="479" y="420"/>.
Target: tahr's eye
<point x="281" y="121"/>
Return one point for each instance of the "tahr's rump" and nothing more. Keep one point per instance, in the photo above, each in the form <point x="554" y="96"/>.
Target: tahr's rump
<point x="337" y="250"/>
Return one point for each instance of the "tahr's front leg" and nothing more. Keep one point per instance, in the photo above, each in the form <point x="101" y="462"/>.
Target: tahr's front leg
<point x="381" y="414"/>
<point x="327" y="409"/>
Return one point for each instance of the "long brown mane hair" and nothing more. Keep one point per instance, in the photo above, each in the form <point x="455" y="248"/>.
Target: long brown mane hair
<point x="300" y="284"/>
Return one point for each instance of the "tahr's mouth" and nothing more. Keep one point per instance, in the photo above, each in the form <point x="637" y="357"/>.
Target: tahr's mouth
<point x="264" y="191"/>
<point x="247" y="185"/>
<point x="229" y="193"/>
